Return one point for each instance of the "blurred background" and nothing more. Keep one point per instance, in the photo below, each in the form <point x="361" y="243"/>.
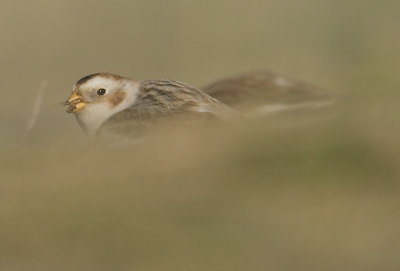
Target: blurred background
<point x="308" y="191"/>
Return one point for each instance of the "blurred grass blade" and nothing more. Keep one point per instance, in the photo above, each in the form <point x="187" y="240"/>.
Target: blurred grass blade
<point x="35" y="109"/>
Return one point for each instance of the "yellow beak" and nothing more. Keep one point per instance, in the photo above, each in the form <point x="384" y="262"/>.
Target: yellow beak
<point x="75" y="103"/>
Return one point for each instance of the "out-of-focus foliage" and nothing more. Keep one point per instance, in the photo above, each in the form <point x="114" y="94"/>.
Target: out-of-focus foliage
<point x="314" y="190"/>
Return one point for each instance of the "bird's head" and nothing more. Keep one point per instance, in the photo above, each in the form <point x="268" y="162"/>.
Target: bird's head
<point x="98" y="96"/>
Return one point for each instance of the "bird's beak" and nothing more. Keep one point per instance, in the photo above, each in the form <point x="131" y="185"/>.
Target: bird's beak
<point x="75" y="103"/>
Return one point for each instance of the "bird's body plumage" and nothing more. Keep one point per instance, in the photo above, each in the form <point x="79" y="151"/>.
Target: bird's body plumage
<point x="125" y="106"/>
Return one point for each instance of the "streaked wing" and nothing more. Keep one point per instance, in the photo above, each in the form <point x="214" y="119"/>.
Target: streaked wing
<point x="161" y="102"/>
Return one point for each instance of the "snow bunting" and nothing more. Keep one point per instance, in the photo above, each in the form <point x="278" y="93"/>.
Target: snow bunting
<point x="105" y="103"/>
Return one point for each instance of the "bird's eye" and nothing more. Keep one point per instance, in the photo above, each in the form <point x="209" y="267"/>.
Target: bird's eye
<point x="101" y="91"/>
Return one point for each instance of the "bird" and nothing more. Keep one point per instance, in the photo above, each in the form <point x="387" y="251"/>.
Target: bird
<point x="110" y="104"/>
